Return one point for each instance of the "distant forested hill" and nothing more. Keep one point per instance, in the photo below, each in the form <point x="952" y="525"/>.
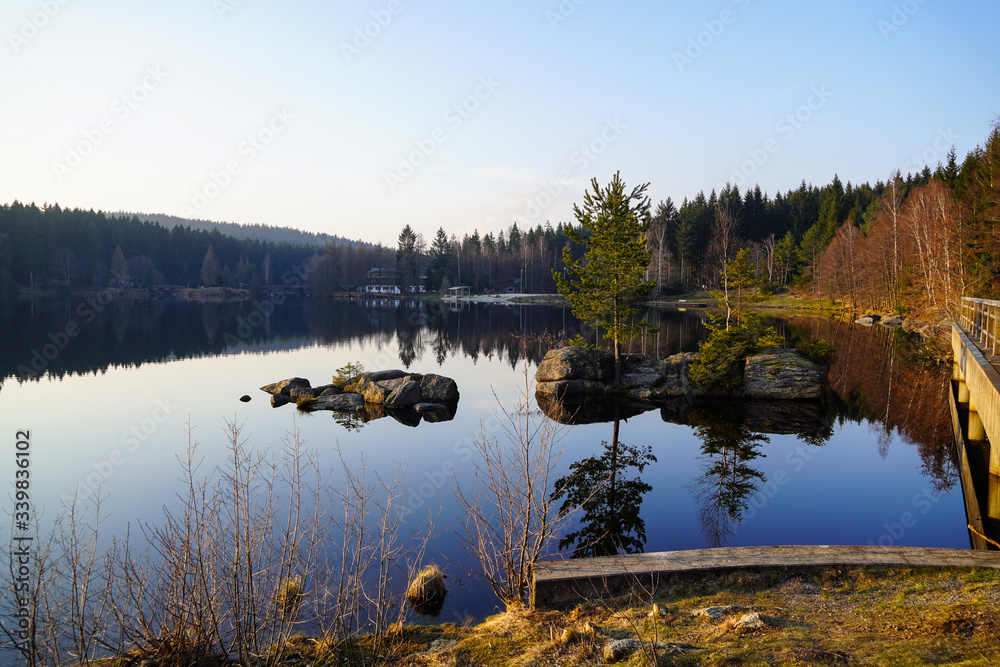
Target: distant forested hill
<point x="72" y="249"/>
<point x="240" y="231"/>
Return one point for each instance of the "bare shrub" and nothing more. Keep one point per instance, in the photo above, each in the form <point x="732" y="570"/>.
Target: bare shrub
<point x="64" y="592"/>
<point x="509" y="516"/>
<point x="257" y="551"/>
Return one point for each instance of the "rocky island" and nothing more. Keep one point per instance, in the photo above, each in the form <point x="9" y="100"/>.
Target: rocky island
<point x="407" y="397"/>
<point x="575" y="373"/>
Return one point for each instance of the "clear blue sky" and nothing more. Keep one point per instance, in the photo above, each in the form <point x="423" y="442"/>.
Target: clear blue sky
<point x="254" y="111"/>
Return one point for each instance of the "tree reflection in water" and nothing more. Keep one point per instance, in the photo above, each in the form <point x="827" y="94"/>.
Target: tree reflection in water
<point x="610" y="501"/>
<point x="728" y="480"/>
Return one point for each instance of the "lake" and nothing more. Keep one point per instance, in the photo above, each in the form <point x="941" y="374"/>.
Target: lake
<point x="108" y="391"/>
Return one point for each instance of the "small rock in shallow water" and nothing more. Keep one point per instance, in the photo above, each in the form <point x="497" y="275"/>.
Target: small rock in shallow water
<point x="245" y="398"/>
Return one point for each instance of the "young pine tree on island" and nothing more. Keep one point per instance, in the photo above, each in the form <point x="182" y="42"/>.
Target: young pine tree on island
<point x="603" y="285"/>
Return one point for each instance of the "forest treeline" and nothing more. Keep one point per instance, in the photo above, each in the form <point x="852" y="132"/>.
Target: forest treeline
<point x="50" y="247"/>
<point x="913" y="243"/>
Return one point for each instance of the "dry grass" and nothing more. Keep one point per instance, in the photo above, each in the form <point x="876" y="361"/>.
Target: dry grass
<point x="897" y="617"/>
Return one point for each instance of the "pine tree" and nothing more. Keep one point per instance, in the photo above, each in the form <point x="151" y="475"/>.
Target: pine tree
<point x="440" y="260"/>
<point x="603" y="285"/>
<point x="407" y="260"/>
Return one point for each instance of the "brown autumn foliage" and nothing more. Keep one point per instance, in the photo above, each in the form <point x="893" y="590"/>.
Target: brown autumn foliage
<point x="926" y="246"/>
<point x="909" y="258"/>
<point x="880" y="378"/>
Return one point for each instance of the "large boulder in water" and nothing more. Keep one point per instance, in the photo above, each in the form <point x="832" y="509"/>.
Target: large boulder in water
<point x="379" y="376"/>
<point x="783" y="374"/>
<point x="675" y="375"/>
<point x="285" y="387"/>
<point x="576" y="363"/>
<point x="377" y="391"/>
<point x="438" y="388"/>
<point x="339" y="403"/>
<point x="567" y="390"/>
<point x="405" y="395"/>
<point x="642" y="371"/>
<point x="369" y="390"/>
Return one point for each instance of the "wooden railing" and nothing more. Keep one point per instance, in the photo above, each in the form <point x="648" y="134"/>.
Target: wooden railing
<point x="980" y="319"/>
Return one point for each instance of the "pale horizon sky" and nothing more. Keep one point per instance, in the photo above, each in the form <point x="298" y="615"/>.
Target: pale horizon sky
<point x="475" y="115"/>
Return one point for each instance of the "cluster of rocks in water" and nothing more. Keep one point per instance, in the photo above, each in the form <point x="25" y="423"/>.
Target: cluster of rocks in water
<point x="890" y="321"/>
<point x="407" y="397"/>
<point x="779" y="394"/>
<point x="575" y="373"/>
<point x="911" y="325"/>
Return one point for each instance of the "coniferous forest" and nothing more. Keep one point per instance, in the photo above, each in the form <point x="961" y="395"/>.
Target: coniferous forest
<point x="913" y="243"/>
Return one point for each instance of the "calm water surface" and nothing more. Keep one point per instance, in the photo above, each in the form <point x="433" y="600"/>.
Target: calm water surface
<point x="114" y="401"/>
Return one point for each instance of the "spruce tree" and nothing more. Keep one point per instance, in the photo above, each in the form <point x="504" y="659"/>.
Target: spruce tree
<point x="440" y="260"/>
<point x="604" y="284"/>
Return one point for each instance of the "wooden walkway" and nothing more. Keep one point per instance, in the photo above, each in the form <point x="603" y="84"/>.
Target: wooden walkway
<point x="978" y="393"/>
<point x="563" y="583"/>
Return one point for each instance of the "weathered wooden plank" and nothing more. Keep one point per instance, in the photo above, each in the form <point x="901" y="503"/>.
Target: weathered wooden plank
<point x="561" y="583"/>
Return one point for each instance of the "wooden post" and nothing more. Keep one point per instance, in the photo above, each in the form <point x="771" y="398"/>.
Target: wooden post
<point x="993" y="498"/>
<point x="996" y="327"/>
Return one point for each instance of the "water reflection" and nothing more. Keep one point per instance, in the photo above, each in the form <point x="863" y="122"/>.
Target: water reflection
<point x="879" y="379"/>
<point x="131" y="332"/>
<point x="728" y="479"/>
<point x="882" y="379"/>
<point x="732" y="435"/>
<point x="609" y="499"/>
